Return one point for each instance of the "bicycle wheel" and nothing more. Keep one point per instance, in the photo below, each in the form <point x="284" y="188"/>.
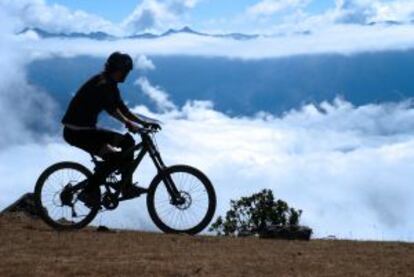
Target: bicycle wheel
<point x="196" y="210"/>
<point x="56" y="196"/>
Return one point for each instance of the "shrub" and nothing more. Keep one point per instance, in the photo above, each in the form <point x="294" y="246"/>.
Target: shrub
<point x="254" y="214"/>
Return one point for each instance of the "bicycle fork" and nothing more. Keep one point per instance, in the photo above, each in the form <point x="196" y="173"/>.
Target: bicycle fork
<point x="176" y="198"/>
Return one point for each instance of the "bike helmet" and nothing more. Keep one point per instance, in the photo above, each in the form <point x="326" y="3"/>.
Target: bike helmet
<point x="118" y="61"/>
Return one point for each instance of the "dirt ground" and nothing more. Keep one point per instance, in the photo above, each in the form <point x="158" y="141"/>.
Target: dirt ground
<point x="29" y="248"/>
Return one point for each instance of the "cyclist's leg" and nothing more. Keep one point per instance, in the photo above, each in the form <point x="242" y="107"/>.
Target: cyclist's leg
<point x="125" y="142"/>
<point x="100" y="142"/>
<point x="91" y="141"/>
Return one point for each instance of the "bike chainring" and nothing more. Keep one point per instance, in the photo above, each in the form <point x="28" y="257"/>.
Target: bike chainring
<point x="110" y="201"/>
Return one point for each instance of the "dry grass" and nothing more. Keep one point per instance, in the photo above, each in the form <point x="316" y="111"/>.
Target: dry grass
<point x="29" y="248"/>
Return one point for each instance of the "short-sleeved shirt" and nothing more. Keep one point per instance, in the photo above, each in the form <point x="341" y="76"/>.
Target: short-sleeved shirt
<point x="97" y="94"/>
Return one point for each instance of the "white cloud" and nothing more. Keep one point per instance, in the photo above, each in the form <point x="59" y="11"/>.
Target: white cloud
<point x="55" y="17"/>
<point x="270" y="7"/>
<point x="157" y="15"/>
<point x="367" y="11"/>
<point x="334" y="161"/>
<point x="148" y="15"/>
<point x="21" y="104"/>
<point x="342" y="39"/>
<point x="156" y="94"/>
<point x="143" y="63"/>
<point x="402" y="10"/>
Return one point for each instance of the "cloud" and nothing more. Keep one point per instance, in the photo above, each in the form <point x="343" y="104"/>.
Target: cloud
<point x="157" y="15"/>
<point x="144" y="64"/>
<point x="355" y="11"/>
<point x="23" y="106"/>
<point x="270" y="7"/>
<point x="367" y="11"/>
<point x="156" y="94"/>
<point x="148" y="14"/>
<point x="342" y="39"/>
<point x="332" y="160"/>
<point x="55" y="17"/>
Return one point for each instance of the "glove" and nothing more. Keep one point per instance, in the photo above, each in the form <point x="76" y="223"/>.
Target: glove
<point x="132" y="127"/>
<point x="153" y="126"/>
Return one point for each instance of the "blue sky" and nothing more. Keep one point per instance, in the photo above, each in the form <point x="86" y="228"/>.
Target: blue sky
<point x="116" y="11"/>
<point x="247" y="16"/>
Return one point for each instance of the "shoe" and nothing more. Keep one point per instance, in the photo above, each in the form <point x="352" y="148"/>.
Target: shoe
<point x="132" y="191"/>
<point x="87" y="198"/>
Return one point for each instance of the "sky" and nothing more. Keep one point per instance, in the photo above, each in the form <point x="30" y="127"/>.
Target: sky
<point x="250" y="16"/>
<point x="207" y="9"/>
<point x="349" y="168"/>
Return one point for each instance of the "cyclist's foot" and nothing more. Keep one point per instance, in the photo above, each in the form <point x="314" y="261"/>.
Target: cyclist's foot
<point x="87" y="198"/>
<point x="132" y="191"/>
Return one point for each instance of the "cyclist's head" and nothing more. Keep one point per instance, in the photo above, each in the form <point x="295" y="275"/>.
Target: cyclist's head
<point x="119" y="64"/>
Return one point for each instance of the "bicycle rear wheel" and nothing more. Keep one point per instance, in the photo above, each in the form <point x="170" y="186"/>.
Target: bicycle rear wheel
<point x="56" y="196"/>
<point x="197" y="207"/>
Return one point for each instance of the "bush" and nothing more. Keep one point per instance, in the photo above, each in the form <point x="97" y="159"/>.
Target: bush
<point x="254" y="214"/>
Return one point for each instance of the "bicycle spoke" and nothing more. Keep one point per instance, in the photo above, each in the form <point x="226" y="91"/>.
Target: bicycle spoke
<point x="51" y="193"/>
<point x="187" y="214"/>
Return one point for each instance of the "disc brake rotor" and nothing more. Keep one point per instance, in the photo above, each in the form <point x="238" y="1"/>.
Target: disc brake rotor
<point x="184" y="201"/>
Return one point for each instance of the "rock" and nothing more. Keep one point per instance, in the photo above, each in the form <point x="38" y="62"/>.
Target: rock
<point x="102" y="228"/>
<point x="286" y="232"/>
<point x="24" y="204"/>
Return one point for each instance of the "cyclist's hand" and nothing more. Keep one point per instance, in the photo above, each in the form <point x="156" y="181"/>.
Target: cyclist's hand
<point x="132" y="126"/>
<point x="153" y="126"/>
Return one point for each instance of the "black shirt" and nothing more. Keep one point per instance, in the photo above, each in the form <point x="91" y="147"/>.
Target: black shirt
<point x="97" y="94"/>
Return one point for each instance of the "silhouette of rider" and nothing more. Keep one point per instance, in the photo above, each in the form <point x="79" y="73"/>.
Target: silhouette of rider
<point x="98" y="94"/>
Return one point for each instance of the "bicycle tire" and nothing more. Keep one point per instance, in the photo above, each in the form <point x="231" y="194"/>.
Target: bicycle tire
<point x="43" y="213"/>
<point x="155" y="184"/>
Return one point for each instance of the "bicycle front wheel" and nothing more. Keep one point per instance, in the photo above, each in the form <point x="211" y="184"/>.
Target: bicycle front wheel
<point x="196" y="208"/>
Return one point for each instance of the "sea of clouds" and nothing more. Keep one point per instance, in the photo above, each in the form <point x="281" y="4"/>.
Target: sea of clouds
<point x="350" y="169"/>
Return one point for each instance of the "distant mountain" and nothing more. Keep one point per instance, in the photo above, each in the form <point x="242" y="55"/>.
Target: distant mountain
<point x="104" y="36"/>
<point x="188" y="30"/>
<point x="391" y="22"/>
<point x="185" y="30"/>
<point x="237" y="36"/>
<point x="45" y="34"/>
<point x="386" y="22"/>
<point x="143" y="36"/>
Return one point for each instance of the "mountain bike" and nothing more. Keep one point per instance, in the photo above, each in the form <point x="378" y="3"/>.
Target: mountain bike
<point x="180" y="198"/>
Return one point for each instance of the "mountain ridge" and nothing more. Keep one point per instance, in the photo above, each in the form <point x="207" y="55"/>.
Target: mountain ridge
<point x="147" y="35"/>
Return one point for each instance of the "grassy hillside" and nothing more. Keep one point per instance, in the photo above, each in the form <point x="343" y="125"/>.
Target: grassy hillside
<point x="29" y="248"/>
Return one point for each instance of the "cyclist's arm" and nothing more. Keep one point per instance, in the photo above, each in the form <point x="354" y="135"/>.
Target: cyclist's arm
<point x="126" y="113"/>
<point x="120" y="116"/>
<point x="116" y="108"/>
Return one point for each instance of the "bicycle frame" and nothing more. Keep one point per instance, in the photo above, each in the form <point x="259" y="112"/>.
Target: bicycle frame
<point x="145" y="146"/>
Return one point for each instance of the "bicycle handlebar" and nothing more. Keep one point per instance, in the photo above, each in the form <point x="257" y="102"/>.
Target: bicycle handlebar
<point x="144" y="131"/>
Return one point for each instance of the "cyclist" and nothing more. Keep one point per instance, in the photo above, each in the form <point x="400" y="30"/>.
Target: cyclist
<point x="97" y="94"/>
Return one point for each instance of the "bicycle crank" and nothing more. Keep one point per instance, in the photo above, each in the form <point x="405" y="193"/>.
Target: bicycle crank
<point x="110" y="201"/>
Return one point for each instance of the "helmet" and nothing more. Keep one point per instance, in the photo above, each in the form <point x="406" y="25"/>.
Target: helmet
<point x="118" y="61"/>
